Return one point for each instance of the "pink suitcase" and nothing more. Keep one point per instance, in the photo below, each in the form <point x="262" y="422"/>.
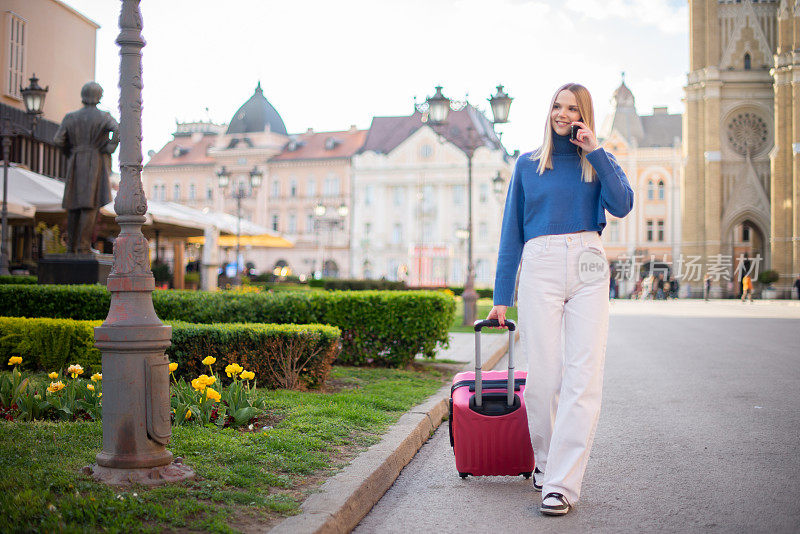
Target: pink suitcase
<point x="488" y="421"/>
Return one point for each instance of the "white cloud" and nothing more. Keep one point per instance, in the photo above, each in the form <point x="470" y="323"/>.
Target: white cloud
<point x="670" y="19"/>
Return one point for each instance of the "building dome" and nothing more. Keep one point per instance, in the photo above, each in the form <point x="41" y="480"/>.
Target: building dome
<point x="256" y="115"/>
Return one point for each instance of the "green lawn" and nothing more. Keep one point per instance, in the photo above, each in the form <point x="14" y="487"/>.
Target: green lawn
<point x="245" y="479"/>
<point x="484" y="307"/>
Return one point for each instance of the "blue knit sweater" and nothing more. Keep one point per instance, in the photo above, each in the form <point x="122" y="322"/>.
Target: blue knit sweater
<point x="556" y="202"/>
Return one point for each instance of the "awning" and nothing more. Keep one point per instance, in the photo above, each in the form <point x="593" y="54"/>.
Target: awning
<point x="263" y="240"/>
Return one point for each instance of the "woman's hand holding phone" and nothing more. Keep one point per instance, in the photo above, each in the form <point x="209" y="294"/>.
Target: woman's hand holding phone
<point x="498" y="312"/>
<point x="583" y="137"/>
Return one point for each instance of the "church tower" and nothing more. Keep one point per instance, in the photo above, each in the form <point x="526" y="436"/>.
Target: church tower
<point x="740" y="138"/>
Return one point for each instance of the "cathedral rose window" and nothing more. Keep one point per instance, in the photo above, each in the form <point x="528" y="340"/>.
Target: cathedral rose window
<point x="747" y="132"/>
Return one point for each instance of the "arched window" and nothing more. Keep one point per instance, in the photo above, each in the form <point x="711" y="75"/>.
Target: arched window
<point x="747" y="62"/>
<point x="661" y="190"/>
<point x="650" y="190"/>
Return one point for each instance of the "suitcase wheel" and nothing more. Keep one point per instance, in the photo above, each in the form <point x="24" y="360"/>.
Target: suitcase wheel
<point x="463" y="475"/>
<point x="527" y="474"/>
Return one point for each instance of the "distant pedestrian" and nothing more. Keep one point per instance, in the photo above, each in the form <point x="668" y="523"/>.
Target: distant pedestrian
<point x="747" y="288"/>
<point x="706" y="287"/>
<point x="797" y="286"/>
<point x="674" y="286"/>
<point x="554" y="213"/>
<point x="660" y="286"/>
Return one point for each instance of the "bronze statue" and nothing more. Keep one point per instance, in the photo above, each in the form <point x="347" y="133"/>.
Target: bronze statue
<point x="84" y="138"/>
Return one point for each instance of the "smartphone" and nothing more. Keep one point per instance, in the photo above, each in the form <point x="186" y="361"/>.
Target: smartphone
<point x="573" y="132"/>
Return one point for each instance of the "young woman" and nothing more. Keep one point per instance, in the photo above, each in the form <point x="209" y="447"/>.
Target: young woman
<point x="554" y="215"/>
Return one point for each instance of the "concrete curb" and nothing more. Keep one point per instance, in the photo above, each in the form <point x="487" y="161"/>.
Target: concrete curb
<point x="342" y="501"/>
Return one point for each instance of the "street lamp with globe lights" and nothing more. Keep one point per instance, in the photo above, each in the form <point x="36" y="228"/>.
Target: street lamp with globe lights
<point x="33" y="96"/>
<point x="240" y="192"/>
<point x="436" y="109"/>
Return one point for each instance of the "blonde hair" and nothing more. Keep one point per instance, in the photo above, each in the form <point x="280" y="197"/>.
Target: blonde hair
<point x="585" y="107"/>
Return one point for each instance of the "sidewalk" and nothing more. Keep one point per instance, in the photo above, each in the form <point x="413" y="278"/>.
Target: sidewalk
<point x="342" y="501"/>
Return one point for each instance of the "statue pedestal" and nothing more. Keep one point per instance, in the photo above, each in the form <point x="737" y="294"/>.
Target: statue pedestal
<point x="75" y="268"/>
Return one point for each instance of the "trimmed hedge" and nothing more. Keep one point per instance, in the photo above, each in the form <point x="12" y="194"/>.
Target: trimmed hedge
<point x="17" y="279"/>
<point x="280" y="355"/>
<point x="341" y="284"/>
<point x="382" y="327"/>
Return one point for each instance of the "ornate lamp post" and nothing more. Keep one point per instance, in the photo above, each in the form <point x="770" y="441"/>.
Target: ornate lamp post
<point x="438" y="108"/>
<point x="223" y="177"/>
<point x="33" y="96"/>
<point x="136" y="408"/>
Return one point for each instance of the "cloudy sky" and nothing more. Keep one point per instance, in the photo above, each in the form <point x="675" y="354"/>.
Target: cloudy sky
<point x="327" y="65"/>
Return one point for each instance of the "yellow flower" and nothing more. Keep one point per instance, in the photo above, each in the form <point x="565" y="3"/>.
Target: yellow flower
<point x="213" y="395"/>
<point x="55" y="386"/>
<point x="233" y="369"/>
<point x="90" y="387"/>
<point x="75" y="370"/>
<point x="173" y="367"/>
<point x="208" y="380"/>
<point x="208" y="360"/>
<point x="97" y="377"/>
<point x="188" y="413"/>
<point x="53" y="375"/>
<point x="198" y="384"/>
<point x="15" y="360"/>
<point x="247" y="375"/>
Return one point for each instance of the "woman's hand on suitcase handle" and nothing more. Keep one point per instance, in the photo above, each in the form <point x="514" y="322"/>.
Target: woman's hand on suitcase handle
<point x="498" y="312"/>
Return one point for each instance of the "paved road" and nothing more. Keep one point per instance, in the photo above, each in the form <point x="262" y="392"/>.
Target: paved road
<point x="700" y="432"/>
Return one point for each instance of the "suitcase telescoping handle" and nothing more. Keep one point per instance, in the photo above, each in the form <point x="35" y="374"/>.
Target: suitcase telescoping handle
<point x="478" y="379"/>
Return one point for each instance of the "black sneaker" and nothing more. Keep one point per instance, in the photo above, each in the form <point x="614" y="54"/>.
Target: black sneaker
<point x="537" y="487"/>
<point x="557" y="505"/>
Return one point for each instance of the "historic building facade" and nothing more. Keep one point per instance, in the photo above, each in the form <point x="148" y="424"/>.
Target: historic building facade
<point x="410" y="201"/>
<point x="648" y="147"/>
<point x="304" y="193"/>
<point x="742" y="139"/>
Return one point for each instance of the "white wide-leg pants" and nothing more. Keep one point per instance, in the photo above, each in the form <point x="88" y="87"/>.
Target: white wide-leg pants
<point x="562" y="279"/>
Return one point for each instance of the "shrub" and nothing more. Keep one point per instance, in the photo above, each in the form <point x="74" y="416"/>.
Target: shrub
<point x="280" y="355"/>
<point x="768" y="277"/>
<point x="17" y="279"/>
<point x="50" y="343"/>
<point x="335" y="284"/>
<point x="382" y="327"/>
<point x="55" y="301"/>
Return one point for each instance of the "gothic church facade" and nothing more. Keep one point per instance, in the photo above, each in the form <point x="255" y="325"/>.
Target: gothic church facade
<point x="741" y="190"/>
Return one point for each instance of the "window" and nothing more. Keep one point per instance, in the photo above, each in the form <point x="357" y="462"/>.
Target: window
<point x="661" y="230"/>
<point x="483" y="230"/>
<point x="309" y="223"/>
<point x="427" y="232"/>
<point x="293" y="188"/>
<point x="176" y="192"/>
<point x="613" y="231"/>
<point x="397" y="233"/>
<point x="428" y="199"/>
<point x="426" y="151"/>
<point x="292" y="223"/>
<point x="276" y="189"/>
<point x="661" y="190"/>
<point x="650" y="190"/>
<point x="312" y="188"/>
<point x="192" y="191"/>
<point x="484" y="193"/>
<point x="155" y="192"/>
<point x="163" y="195"/>
<point x="276" y="220"/>
<point x="16" y="55"/>
<point x="745" y="233"/>
<point x="392" y="267"/>
<point x="397" y="196"/>
<point x="482" y="271"/>
<point x="747" y="62"/>
<point x="458" y="195"/>
<point x="368" y="190"/>
<point x="367" y="229"/>
<point x="649" y="229"/>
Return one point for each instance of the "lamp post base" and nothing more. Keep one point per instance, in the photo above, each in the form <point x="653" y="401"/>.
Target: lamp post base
<point x="176" y="471"/>
<point x="470" y="298"/>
